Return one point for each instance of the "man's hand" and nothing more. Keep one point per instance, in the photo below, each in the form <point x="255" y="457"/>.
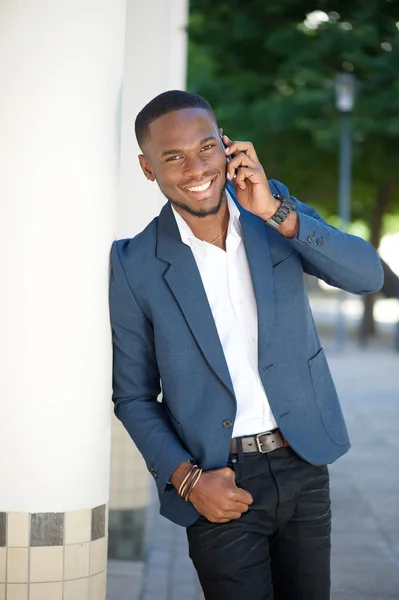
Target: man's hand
<point x="250" y="180"/>
<point x="252" y="188"/>
<point x="216" y="496"/>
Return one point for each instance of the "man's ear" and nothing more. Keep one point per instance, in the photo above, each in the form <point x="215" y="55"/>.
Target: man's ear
<point x="146" y="167"/>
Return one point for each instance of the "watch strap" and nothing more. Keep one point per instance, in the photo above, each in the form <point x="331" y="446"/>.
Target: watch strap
<point x="287" y="206"/>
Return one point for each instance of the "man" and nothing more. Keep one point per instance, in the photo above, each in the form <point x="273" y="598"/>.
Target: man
<point x="209" y="302"/>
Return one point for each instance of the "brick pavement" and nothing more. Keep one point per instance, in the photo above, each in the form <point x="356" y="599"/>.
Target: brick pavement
<point x="365" y="496"/>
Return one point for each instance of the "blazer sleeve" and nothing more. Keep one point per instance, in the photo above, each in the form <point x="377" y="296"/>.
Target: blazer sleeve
<point x="136" y="380"/>
<point x="340" y="259"/>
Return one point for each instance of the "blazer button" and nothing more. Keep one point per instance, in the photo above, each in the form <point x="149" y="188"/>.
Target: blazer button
<point x="227" y="423"/>
<point x="310" y="239"/>
<point x="320" y="242"/>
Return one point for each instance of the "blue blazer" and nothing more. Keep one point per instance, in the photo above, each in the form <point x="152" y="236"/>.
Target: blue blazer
<point x="164" y="335"/>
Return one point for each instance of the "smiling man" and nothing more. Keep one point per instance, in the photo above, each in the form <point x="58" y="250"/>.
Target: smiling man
<point x="209" y="302"/>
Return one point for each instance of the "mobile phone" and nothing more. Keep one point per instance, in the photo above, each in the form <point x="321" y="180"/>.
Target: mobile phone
<point x="228" y="158"/>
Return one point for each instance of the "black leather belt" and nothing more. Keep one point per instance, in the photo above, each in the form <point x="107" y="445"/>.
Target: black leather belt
<point x="263" y="442"/>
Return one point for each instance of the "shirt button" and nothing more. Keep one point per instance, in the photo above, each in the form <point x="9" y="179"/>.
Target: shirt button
<point x="310" y="239"/>
<point x="227" y="423"/>
<point x="320" y="242"/>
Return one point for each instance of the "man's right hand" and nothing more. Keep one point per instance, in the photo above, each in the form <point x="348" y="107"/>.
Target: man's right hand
<point x="216" y="496"/>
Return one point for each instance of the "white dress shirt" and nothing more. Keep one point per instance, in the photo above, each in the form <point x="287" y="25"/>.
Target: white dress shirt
<point x="228" y="285"/>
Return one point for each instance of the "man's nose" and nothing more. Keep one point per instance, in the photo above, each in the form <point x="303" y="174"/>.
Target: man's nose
<point x="194" y="166"/>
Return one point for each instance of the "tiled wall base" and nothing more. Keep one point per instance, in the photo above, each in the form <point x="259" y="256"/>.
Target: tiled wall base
<point x="54" y="556"/>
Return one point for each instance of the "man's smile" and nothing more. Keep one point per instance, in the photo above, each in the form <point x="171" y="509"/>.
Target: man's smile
<point x="200" y="188"/>
<point x="201" y="191"/>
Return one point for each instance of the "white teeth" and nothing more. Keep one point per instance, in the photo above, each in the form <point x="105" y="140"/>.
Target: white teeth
<point x="200" y="188"/>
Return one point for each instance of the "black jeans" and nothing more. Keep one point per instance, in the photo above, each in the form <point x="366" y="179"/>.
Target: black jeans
<point x="280" y="548"/>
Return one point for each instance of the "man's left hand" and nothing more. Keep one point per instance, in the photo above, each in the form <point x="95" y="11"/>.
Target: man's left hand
<point x="252" y="188"/>
<point x="251" y="185"/>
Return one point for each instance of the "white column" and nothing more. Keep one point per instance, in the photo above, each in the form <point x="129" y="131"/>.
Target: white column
<point x="61" y="66"/>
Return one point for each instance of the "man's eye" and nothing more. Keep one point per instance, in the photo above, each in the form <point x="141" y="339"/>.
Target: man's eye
<point x="208" y="147"/>
<point x="172" y="158"/>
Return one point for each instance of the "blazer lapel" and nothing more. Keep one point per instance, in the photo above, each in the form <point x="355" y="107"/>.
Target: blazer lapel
<point x="184" y="280"/>
<point x="256" y="241"/>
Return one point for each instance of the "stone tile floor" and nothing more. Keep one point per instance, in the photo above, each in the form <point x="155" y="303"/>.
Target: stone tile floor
<point x="365" y="498"/>
<point x="125" y="580"/>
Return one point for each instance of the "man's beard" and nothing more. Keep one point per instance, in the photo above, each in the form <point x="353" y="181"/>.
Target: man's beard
<point x="199" y="213"/>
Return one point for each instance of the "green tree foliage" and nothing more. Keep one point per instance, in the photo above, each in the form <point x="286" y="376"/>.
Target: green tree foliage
<point x="267" y="68"/>
<point x="268" y="73"/>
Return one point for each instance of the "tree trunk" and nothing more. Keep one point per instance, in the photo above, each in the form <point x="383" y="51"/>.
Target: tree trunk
<point x="383" y="199"/>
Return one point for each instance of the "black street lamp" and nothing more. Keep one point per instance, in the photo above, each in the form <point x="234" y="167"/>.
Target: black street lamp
<point x="345" y="87"/>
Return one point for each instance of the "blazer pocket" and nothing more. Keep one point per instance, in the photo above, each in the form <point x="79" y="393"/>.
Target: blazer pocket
<point x="327" y="399"/>
<point x="284" y="266"/>
<point x="176" y="425"/>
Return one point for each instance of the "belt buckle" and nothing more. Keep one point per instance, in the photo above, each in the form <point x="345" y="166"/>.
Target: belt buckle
<point x="259" y="443"/>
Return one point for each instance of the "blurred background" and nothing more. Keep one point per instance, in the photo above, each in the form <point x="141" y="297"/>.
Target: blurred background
<point x="315" y="86"/>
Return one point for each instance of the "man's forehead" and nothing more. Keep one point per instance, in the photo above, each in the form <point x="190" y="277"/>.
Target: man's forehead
<point x="182" y="127"/>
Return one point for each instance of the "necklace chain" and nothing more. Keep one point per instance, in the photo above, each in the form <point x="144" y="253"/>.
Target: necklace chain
<point x="221" y="235"/>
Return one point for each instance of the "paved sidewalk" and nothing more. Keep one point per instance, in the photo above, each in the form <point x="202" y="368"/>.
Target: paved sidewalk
<point x="365" y="483"/>
<point x="365" y="496"/>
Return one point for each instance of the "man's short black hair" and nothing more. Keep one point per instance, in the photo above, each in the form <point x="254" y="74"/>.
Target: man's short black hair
<point x="163" y="104"/>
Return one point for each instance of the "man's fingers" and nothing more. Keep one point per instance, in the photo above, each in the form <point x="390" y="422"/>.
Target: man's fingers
<point x="235" y="515"/>
<point x="238" y="161"/>
<point x="221" y="521"/>
<point x="238" y="495"/>
<point x="228" y="516"/>
<point x="227" y="472"/>
<point x="244" y="497"/>
<point x="234" y="147"/>
<point x="241" y="507"/>
<point x="254" y="175"/>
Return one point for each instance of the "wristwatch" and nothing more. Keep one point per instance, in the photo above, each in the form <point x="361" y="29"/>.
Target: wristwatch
<point x="287" y="205"/>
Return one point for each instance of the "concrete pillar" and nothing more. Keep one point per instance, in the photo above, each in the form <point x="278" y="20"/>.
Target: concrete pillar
<point x="155" y="61"/>
<point x="61" y="66"/>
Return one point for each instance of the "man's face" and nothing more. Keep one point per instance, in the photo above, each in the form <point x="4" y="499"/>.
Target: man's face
<point x="185" y="155"/>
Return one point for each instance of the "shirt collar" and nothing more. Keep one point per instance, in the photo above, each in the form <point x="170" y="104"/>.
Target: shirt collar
<point x="234" y="228"/>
